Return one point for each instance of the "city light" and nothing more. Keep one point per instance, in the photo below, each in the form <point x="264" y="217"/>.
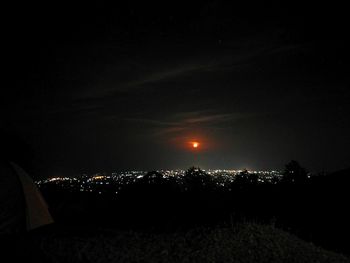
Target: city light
<point x="100" y="183"/>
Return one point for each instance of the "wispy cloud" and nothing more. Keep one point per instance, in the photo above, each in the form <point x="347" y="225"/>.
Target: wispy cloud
<point x="142" y="80"/>
<point x="181" y="122"/>
<point x="207" y="63"/>
<point x="211" y="118"/>
<point x="143" y="75"/>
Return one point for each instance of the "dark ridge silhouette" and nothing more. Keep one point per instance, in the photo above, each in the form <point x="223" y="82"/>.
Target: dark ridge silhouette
<point x="314" y="208"/>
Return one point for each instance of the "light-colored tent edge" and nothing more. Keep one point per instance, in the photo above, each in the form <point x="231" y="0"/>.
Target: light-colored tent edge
<point x="37" y="212"/>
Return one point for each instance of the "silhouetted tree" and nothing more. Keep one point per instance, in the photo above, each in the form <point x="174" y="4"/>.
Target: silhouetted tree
<point x="294" y="173"/>
<point x="246" y="178"/>
<point x="196" y="180"/>
<point x="153" y="178"/>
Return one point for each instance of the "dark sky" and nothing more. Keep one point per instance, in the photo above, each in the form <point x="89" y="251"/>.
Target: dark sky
<point x="100" y="87"/>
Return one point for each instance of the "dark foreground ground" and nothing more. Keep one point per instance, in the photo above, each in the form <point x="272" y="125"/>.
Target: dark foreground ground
<point x="193" y="220"/>
<point x="315" y="211"/>
<point x="246" y="242"/>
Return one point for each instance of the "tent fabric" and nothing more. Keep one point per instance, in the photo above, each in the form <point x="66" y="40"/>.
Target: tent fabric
<point x="12" y="203"/>
<point x="37" y="212"/>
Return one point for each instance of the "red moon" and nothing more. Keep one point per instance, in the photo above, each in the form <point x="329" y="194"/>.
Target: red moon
<point x="195" y="144"/>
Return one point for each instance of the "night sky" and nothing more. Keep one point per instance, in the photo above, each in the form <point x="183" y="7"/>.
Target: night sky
<point x="100" y="87"/>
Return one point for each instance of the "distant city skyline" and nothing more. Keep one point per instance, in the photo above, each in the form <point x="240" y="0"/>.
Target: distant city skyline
<point x="102" y="181"/>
